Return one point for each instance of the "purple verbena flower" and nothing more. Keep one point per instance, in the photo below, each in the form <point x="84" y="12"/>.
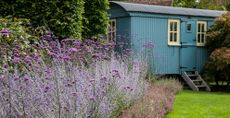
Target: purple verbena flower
<point x="28" y="60"/>
<point x="16" y="78"/>
<point x="46" y="89"/>
<point x="16" y="60"/>
<point x="74" y="93"/>
<point x="26" y="78"/>
<point x="92" y="80"/>
<point x="92" y="98"/>
<point x="2" y="77"/>
<point x="5" y="32"/>
<point x="77" y="43"/>
<point x="5" y="66"/>
<point x="52" y="55"/>
<point x="73" y="50"/>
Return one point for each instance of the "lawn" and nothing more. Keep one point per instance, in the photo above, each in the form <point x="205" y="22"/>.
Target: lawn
<point x="189" y="104"/>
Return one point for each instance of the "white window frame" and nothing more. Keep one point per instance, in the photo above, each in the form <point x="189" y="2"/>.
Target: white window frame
<point x="112" y="31"/>
<point x="177" y="42"/>
<point x="201" y="32"/>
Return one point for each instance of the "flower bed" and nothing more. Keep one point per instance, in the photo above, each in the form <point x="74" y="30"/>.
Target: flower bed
<point x="41" y="76"/>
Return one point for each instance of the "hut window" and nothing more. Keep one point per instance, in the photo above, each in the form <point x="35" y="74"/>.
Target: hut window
<point x="201" y="33"/>
<point x="112" y="31"/>
<point x="173" y="32"/>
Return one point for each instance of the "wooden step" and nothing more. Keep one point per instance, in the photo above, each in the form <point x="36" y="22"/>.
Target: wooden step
<point x="200" y="86"/>
<point x="197" y="80"/>
<point x="192" y="75"/>
<point x="194" y="80"/>
<point x="197" y="83"/>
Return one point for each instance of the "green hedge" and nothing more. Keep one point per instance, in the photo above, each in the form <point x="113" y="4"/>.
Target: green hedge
<point x="96" y="17"/>
<point x="64" y="18"/>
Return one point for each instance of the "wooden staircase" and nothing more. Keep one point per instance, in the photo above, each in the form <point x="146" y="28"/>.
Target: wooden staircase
<point x="194" y="80"/>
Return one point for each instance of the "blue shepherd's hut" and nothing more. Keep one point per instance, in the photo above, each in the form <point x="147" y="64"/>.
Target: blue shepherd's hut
<point x="178" y="36"/>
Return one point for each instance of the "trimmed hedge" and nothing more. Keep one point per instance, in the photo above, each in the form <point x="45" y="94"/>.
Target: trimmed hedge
<point x="64" y="18"/>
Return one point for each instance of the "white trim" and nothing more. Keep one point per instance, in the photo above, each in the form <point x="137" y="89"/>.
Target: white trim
<point x="112" y="31"/>
<point x="173" y="43"/>
<point x="202" y="32"/>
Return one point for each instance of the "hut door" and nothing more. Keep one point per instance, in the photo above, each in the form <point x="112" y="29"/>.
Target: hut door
<point x="188" y="45"/>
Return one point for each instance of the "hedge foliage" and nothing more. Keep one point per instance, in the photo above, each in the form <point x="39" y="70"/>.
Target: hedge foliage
<point x="96" y="17"/>
<point x="63" y="17"/>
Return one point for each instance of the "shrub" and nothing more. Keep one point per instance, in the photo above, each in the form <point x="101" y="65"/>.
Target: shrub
<point x="157" y="101"/>
<point x="218" y="43"/>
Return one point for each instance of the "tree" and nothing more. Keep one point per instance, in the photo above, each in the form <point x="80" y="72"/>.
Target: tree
<point x="218" y="44"/>
<point x="203" y="4"/>
<point x="185" y="3"/>
<point x="213" y="4"/>
<point x="63" y="17"/>
<point x="95" y="17"/>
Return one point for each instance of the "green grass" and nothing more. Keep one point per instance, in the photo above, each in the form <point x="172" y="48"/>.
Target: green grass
<point x="189" y="104"/>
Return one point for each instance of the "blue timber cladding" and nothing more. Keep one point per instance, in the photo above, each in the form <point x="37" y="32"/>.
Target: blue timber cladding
<point x="123" y="33"/>
<point x="163" y="58"/>
<point x="138" y="25"/>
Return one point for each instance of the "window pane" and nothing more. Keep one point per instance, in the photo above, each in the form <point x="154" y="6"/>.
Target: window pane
<point x="171" y="26"/>
<point x="175" y="37"/>
<point x="175" y="26"/>
<point x="198" y="27"/>
<point x="110" y="23"/>
<point x="113" y="24"/>
<point x="189" y="27"/>
<point x="202" y="28"/>
<point x="171" y="36"/>
<point x="198" y="38"/>
<point x="202" y="38"/>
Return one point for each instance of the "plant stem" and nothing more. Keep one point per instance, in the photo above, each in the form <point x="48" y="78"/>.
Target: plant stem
<point x="10" y="105"/>
<point x="58" y="95"/>
<point x="8" y="78"/>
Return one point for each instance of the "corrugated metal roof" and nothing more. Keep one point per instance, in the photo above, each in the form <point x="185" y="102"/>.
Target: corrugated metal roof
<point x="133" y="7"/>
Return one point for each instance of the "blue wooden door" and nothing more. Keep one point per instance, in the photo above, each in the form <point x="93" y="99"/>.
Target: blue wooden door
<point x="188" y="45"/>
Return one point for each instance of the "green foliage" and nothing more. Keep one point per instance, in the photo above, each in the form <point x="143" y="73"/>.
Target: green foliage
<point x="218" y="44"/>
<point x="213" y="4"/>
<point x="203" y="4"/>
<point x="96" y="17"/>
<point x="64" y="18"/>
<point x="228" y="7"/>
<point x="17" y="31"/>
<point x="184" y="3"/>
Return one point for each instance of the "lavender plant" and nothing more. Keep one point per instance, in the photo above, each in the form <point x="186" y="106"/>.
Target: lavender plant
<point x="70" y="78"/>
